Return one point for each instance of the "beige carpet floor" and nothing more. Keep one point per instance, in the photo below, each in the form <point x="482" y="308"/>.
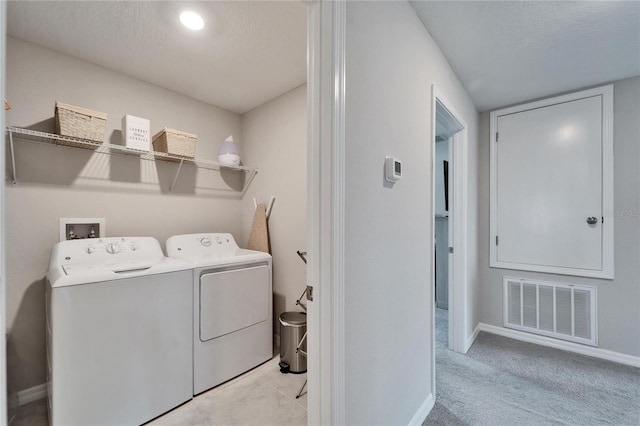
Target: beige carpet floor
<point x="502" y="381"/>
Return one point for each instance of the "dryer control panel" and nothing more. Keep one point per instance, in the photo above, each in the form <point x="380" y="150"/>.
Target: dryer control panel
<point x="217" y="240"/>
<point x="197" y="246"/>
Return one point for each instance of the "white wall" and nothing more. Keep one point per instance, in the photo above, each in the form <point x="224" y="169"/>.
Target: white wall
<point x="391" y="63"/>
<point x="619" y="299"/>
<point x="275" y="141"/>
<point x="62" y="182"/>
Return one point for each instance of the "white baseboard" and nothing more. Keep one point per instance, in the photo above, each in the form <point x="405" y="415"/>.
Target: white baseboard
<point x="471" y="339"/>
<point x="35" y="393"/>
<point x="423" y="411"/>
<point x="631" y="360"/>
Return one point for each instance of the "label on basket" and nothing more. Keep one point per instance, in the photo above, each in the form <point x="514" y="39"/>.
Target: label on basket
<point x="136" y="132"/>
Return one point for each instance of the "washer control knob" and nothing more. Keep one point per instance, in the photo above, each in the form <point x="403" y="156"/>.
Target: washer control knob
<point x="134" y="246"/>
<point x="90" y="249"/>
<point x="218" y="240"/>
<point x="205" y="241"/>
<point x="112" y="248"/>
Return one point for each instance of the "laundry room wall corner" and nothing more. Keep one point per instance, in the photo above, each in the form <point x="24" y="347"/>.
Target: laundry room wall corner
<point x="131" y="194"/>
<point x="275" y="141"/>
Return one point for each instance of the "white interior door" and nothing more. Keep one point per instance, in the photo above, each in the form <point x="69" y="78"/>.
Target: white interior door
<point x="549" y="185"/>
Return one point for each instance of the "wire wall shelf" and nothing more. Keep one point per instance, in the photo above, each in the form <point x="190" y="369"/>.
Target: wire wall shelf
<point x="17" y="133"/>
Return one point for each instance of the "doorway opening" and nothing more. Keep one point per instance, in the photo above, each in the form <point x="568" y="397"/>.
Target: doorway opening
<point x="443" y="251"/>
<point x="449" y="229"/>
<point x="446" y="127"/>
<point x="284" y="120"/>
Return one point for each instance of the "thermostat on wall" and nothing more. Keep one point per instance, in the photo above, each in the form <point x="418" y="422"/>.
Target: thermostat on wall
<point x="392" y="169"/>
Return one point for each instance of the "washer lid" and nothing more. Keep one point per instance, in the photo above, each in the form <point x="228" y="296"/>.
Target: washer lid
<point x="293" y="318"/>
<point x="137" y="265"/>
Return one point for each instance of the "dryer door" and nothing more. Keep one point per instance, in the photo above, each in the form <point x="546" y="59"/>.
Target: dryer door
<point x="233" y="300"/>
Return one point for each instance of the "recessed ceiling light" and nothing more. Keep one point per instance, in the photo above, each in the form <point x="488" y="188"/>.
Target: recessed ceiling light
<point x="191" y="20"/>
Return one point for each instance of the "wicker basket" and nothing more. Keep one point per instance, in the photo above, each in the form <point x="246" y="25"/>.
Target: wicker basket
<point x="175" y="142"/>
<point x="82" y="123"/>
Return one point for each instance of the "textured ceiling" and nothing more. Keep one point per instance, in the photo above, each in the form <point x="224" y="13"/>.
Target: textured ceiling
<point x="249" y="52"/>
<point x="506" y="52"/>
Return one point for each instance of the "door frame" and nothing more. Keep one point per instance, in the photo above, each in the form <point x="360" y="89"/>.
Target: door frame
<point x="325" y="210"/>
<point x="3" y="345"/>
<point x="459" y="303"/>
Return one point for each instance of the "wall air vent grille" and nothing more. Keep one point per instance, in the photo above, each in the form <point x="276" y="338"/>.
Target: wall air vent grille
<point x="562" y="311"/>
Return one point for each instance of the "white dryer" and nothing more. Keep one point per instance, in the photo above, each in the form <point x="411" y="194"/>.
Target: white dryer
<point x="119" y="332"/>
<point x="232" y="302"/>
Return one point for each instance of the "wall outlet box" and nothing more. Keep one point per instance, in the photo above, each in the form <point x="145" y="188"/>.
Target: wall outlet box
<point x="136" y="133"/>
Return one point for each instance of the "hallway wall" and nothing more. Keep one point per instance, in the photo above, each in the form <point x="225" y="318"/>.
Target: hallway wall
<point x="391" y="63"/>
<point x="618" y="299"/>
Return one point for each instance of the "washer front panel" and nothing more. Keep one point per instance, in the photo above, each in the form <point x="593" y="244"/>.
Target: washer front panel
<point x="120" y="352"/>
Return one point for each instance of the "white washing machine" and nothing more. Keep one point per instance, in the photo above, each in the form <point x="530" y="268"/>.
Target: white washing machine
<point x="119" y="332"/>
<point x="232" y="302"/>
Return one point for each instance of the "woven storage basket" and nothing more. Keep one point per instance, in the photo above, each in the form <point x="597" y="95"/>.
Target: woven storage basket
<point x="82" y="123"/>
<point x="175" y="142"/>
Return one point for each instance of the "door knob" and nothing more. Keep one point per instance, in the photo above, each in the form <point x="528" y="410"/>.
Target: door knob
<point x="592" y="220"/>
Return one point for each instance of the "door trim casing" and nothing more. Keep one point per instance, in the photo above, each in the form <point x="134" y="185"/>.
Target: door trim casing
<point x="326" y="210"/>
<point x="3" y="348"/>
<point x="607" y="271"/>
<point x="459" y="303"/>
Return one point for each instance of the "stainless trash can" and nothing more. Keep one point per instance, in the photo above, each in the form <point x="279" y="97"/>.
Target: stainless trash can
<point x="293" y="326"/>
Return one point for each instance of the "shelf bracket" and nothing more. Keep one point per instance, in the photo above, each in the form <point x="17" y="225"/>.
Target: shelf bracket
<point x="14" y="177"/>
<point x="270" y="206"/>
<point x="175" y="178"/>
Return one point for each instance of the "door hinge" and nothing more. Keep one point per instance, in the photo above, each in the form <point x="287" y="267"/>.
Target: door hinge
<point x="496" y="136"/>
<point x="496" y="240"/>
<point x="310" y="293"/>
<point x="450" y="249"/>
<point x="602" y="219"/>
